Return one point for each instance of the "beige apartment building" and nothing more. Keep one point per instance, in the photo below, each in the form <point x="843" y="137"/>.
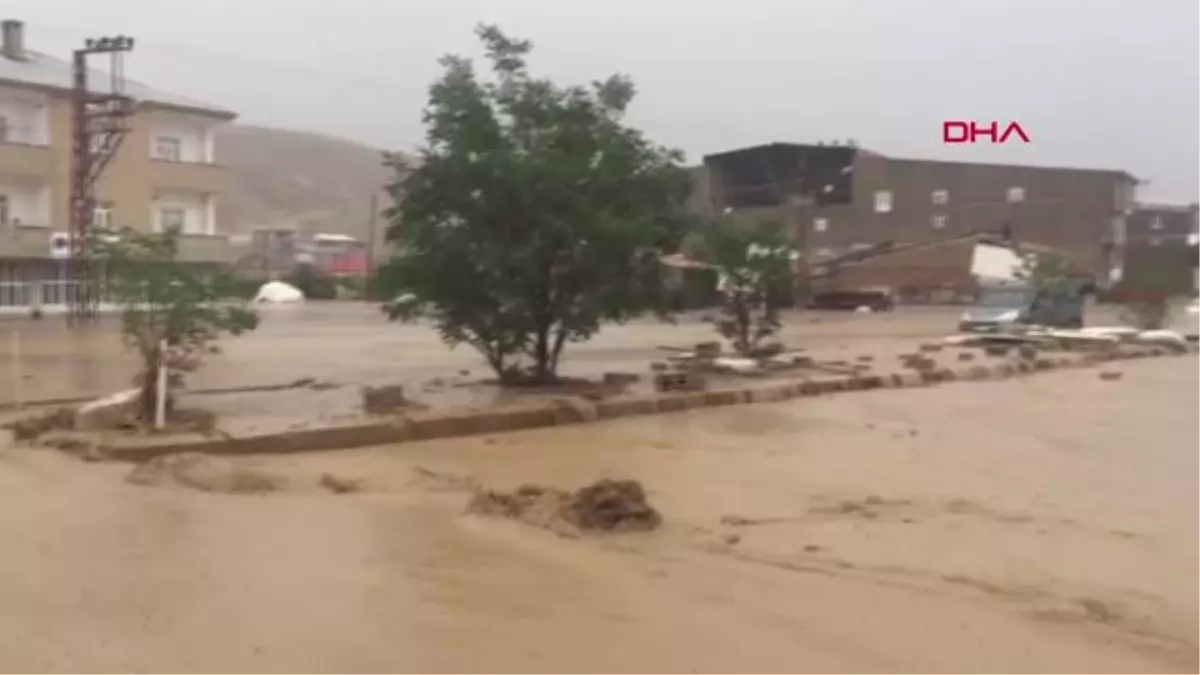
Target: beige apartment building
<point x="163" y="176"/>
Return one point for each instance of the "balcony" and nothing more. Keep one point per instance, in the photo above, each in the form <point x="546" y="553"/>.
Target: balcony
<point x="206" y="248"/>
<point x="189" y="176"/>
<point x="25" y="242"/>
<point x="25" y="160"/>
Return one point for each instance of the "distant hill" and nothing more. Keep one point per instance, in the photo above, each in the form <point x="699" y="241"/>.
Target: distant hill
<point x="304" y="180"/>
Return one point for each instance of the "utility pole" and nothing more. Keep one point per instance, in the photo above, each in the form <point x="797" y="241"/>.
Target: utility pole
<point x="372" y="219"/>
<point x="99" y="122"/>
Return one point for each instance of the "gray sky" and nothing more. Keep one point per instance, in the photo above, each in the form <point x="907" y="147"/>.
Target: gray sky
<point x="1097" y="83"/>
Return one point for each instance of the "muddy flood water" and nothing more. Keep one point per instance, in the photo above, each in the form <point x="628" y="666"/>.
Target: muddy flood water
<point x="1041" y="524"/>
<point x="353" y="343"/>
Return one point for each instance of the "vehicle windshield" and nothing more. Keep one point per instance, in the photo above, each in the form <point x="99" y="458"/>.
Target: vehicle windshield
<point x="1005" y="297"/>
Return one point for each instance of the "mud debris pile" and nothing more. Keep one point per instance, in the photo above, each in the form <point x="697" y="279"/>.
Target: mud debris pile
<point x="603" y="506"/>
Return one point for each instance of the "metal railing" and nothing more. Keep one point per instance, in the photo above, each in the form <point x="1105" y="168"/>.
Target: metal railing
<point x="47" y="294"/>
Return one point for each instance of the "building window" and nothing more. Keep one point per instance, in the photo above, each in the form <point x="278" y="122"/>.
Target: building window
<point x="170" y="220"/>
<point x="102" y="216"/>
<point x="820" y="224"/>
<point x="938" y="222"/>
<point x="883" y="201"/>
<point x="1016" y="194"/>
<point x="940" y="197"/>
<point x="1156" y="223"/>
<point x="167" y="148"/>
<point x="1119" y="230"/>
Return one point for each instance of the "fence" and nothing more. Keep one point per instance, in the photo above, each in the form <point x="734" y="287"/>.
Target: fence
<point x="51" y="296"/>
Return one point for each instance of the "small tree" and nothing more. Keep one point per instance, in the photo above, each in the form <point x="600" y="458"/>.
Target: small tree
<point x="1045" y="271"/>
<point x="164" y="299"/>
<point x="532" y="215"/>
<point x="753" y="264"/>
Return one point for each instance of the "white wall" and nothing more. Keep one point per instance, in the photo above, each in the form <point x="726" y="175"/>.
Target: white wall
<point x="27" y="203"/>
<point x="195" y="136"/>
<point x="198" y="212"/>
<point x="26" y="112"/>
<point x="995" y="263"/>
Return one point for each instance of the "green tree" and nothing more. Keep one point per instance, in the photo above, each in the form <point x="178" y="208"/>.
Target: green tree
<point x="164" y="299"/>
<point x="754" y="265"/>
<point x="1046" y="270"/>
<point x="532" y="214"/>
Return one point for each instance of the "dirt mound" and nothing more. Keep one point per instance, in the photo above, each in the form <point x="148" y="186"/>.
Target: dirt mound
<point x="603" y="506"/>
<point x="206" y="473"/>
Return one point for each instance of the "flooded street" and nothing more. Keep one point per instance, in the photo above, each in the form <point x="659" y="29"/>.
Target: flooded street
<point x="353" y="343"/>
<point x="1040" y="524"/>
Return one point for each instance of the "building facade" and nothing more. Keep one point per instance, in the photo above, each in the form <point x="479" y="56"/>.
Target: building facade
<point x="838" y="198"/>
<point x="164" y="174"/>
<point x="1158" y="224"/>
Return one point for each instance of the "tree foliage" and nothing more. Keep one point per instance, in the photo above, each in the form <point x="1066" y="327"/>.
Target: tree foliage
<point x="753" y="264"/>
<point x="164" y="299"/>
<point x="532" y="214"/>
<point x="1045" y="270"/>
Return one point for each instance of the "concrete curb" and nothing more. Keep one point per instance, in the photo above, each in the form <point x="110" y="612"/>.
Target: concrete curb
<point x="449" y="424"/>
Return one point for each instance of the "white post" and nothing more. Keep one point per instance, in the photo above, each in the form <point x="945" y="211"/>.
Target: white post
<point x="160" y="401"/>
<point x="18" y="377"/>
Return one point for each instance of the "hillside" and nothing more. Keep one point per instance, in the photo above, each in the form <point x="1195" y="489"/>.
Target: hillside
<point x="296" y="179"/>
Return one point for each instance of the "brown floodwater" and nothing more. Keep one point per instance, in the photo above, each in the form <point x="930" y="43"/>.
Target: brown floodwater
<point x="351" y="345"/>
<point x="1033" y="525"/>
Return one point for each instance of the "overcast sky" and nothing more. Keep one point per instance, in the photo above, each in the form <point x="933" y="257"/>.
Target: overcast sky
<point x="1096" y="83"/>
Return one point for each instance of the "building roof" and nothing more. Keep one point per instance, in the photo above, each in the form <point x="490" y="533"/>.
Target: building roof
<point x="42" y="70"/>
<point x="862" y="152"/>
<point x="1120" y="173"/>
<point x="1170" y="208"/>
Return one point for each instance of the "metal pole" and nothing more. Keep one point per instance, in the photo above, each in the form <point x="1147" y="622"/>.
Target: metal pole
<point x="160" y="399"/>
<point x="18" y="377"/>
<point x="371" y="225"/>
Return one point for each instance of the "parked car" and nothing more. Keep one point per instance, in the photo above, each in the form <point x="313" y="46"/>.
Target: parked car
<point x="1002" y="307"/>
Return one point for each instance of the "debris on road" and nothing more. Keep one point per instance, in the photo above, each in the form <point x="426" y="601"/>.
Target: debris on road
<point x="1111" y="375"/>
<point x="341" y="486"/>
<point x="29" y="428"/>
<point x="384" y="400"/>
<point x="603" y="506"/>
<point x="115" y="411"/>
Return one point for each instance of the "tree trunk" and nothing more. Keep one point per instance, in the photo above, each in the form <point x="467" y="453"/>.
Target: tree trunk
<point x="560" y="339"/>
<point x="149" y="384"/>
<point x="543" y="372"/>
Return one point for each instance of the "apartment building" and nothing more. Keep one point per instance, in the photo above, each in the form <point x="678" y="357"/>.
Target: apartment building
<point x="1163" y="224"/>
<point x="837" y="198"/>
<point x="164" y="176"/>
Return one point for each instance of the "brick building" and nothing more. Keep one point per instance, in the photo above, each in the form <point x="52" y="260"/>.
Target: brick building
<point x="1157" y="224"/>
<point x="839" y="198"/>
